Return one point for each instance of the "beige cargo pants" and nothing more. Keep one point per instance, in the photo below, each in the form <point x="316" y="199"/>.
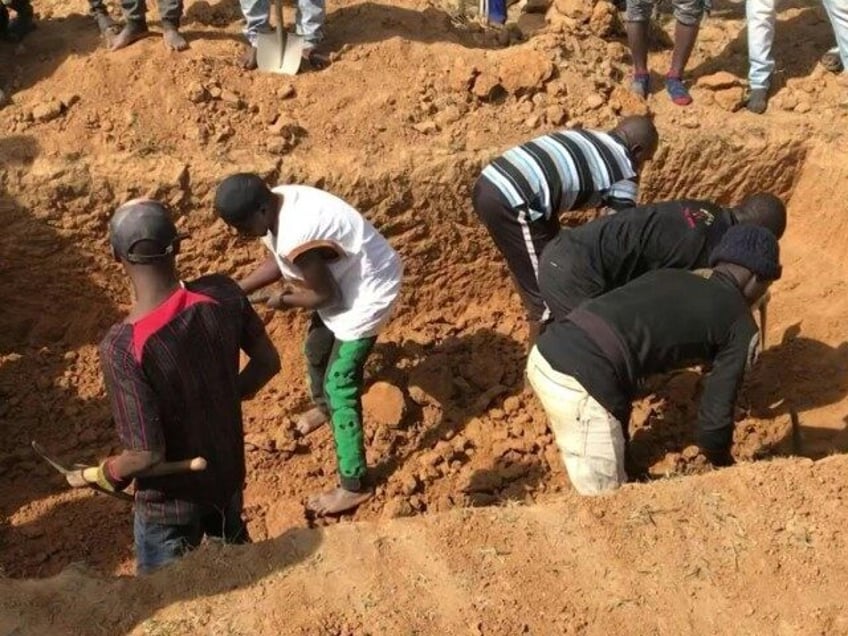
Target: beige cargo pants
<point x="590" y="439"/>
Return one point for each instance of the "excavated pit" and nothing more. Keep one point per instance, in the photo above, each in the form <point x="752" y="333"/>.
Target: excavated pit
<point x="465" y="433"/>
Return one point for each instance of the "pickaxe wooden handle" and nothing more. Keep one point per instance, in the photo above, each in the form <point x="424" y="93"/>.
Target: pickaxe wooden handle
<point x="163" y="468"/>
<point x="194" y="465"/>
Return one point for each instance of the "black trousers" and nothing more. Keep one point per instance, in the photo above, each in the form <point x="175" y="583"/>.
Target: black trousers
<point x="519" y="239"/>
<point x="567" y="276"/>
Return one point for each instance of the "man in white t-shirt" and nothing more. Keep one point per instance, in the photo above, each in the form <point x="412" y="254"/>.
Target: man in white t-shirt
<point x="345" y="271"/>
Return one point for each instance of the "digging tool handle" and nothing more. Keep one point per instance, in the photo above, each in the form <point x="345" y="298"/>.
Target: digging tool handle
<point x="194" y="465"/>
<point x="797" y="443"/>
<point x="278" y="16"/>
<point x="763" y="321"/>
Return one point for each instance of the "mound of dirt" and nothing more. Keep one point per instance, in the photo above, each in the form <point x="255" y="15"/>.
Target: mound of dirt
<point x="400" y="125"/>
<point x="746" y="550"/>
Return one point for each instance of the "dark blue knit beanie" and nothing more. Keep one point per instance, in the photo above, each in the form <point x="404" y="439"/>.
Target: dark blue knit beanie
<point x="750" y="246"/>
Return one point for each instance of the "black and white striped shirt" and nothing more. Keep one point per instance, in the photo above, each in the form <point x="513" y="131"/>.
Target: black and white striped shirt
<point x="567" y="170"/>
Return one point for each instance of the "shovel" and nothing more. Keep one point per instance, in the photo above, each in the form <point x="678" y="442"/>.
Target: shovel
<point x="163" y="468"/>
<point x="762" y="306"/>
<point x="278" y="51"/>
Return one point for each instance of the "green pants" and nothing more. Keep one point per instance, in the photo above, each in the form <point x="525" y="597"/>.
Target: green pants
<point x="336" y="368"/>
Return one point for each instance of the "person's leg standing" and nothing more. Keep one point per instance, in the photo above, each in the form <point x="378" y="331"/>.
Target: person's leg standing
<point x="310" y="18"/>
<point x="108" y="28"/>
<point x="637" y="23"/>
<point x="317" y="349"/>
<point x="135" y="15"/>
<point x="158" y="544"/>
<point x="760" y="18"/>
<point x="343" y="387"/>
<point x="23" y="22"/>
<point x="688" y="14"/>
<point x="837" y="11"/>
<point x="520" y="241"/>
<point x="255" y="14"/>
<point x="171" y="12"/>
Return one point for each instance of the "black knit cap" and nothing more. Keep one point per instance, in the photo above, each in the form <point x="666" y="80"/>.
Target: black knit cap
<point x="750" y="246"/>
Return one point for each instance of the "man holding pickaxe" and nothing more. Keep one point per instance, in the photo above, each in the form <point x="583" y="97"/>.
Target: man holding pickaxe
<point x="172" y="374"/>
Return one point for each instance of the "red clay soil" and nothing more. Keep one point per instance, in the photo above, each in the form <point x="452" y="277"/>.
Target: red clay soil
<point x="415" y="102"/>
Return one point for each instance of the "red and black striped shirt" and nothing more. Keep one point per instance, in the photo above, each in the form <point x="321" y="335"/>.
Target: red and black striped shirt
<point x="172" y="379"/>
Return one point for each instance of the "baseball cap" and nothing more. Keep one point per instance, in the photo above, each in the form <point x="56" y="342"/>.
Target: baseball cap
<point x="750" y="246"/>
<point x="148" y="221"/>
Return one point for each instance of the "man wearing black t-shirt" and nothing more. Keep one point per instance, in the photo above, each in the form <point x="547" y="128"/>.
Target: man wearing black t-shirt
<point x="587" y="261"/>
<point x="585" y="369"/>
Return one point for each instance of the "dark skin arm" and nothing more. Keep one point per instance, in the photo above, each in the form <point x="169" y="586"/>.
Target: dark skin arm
<point x="264" y="275"/>
<point x="318" y="289"/>
<point x="263" y="364"/>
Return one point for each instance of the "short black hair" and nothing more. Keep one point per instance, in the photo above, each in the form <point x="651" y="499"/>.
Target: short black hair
<point x="765" y="210"/>
<point x="239" y="196"/>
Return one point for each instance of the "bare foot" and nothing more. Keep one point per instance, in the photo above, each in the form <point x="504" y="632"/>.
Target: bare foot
<point x="316" y="59"/>
<point x="173" y="40"/>
<point x="336" y="501"/>
<point x="312" y="420"/>
<point x="132" y="32"/>
<point x="109" y="29"/>
<point x="248" y="58"/>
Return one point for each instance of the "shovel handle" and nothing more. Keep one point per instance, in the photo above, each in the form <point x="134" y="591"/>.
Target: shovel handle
<point x="278" y="16"/>
<point x="193" y="465"/>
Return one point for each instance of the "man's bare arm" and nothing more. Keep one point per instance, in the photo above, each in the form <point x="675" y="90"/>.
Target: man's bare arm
<point x="319" y="288"/>
<point x="268" y="272"/>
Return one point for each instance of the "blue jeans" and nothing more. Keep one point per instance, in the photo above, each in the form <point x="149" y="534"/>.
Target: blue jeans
<point x="157" y="544"/>
<point x="493" y="10"/>
<point x="761" y="16"/>
<point x="309" y="19"/>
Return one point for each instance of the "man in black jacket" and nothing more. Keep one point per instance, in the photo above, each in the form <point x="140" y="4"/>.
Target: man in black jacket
<point x="585" y="369"/>
<point x="592" y="259"/>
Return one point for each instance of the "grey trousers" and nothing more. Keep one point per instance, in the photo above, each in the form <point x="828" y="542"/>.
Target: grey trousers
<point x="170" y="11"/>
<point x="687" y="12"/>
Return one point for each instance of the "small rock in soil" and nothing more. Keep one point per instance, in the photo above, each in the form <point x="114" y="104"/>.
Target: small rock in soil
<point x="511" y="404"/>
<point x="395" y="508"/>
<point x="409" y="484"/>
<point x="574" y="9"/>
<point x="286" y="91"/>
<point x="47" y="111"/>
<point x="556" y="115"/>
<point x="594" y="101"/>
<point x="718" y="81"/>
<point x="69" y="99"/>
<point x="385" y="404"/>
<point x="231" y="99"/>
<point x="196" y="94"/>
<point x="448" y="116"/>
<point x="277" y="146"/>
<point x="426" y="127"/>
<point x="803" y="107"/>
<point x="257" y="441"/>
<point x="485" y="85"/>
<point x="603" y="18"/>
<point x="730" y="98"/>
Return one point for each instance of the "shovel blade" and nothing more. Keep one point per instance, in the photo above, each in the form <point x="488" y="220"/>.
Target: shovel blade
<point x="279" y="52"/>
